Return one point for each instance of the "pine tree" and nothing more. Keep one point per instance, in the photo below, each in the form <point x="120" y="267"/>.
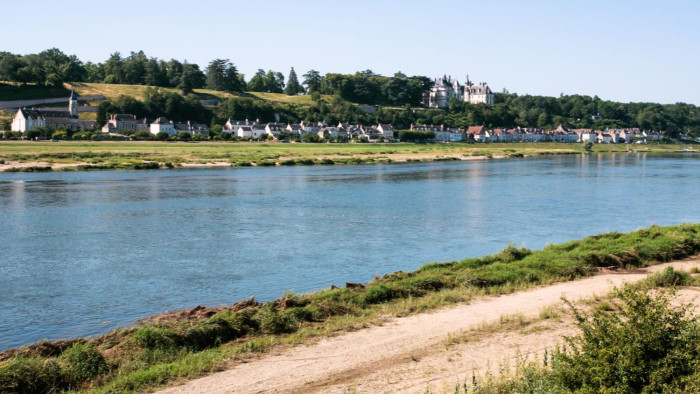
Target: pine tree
<point x="293" y="85"/>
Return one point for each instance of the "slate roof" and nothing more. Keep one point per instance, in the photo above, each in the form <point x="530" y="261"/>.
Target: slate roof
<point x="124" y="117"/>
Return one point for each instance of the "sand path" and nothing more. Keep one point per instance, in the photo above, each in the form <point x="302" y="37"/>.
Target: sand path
<point x="408" y="354"/>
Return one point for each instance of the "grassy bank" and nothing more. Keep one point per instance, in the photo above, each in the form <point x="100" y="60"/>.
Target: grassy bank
<point x="200" y="340"/>
<point x="106" y="154"/>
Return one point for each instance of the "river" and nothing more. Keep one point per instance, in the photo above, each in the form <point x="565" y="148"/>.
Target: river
<point x="84" y="252"/>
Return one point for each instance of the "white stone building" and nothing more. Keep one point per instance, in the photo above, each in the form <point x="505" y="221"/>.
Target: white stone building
<point x="446" y="88"/>
<point x="164" y="125"/>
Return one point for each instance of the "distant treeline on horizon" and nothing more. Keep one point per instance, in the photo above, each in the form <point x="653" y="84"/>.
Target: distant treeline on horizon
<point x="397" y="96"/>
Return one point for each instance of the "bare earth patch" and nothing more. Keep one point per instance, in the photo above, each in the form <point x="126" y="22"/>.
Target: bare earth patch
<point x="412" y="353"/>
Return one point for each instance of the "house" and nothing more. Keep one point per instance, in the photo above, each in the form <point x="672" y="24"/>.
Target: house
<point x="163" y="125"/>
<point x="192" y="128"/>
<point x="475" y="94"/>
<point x="244" y="132"/>
<point x="604" y="138"/>
<point x="370" y="133"/>
<point x="308" y="127"/>
<point x="501" y="135"/>
<point x="585" y="135"/>
<point x="258" y="130"/>
<point x="387" y="130"/>
<point x="348" y="131"/>
<point x="444" y="134"/>
<point x="328" y="132"/>
<point x="652" y="135"/>
<point x="120" y="122"/>
<point x="231" y="126"/>
<point x="294" y="129"/>
<point x="275" y="129"/>
<point x="198" y="129"/>
<point x="475" y="133"/>
<point x="29" y="119"/>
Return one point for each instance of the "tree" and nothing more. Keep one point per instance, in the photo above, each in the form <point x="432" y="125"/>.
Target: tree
<point x="113" y="69"/>
<point x="94" y="72"/>
<point x="135" y="68"/>
<point x="274" y="82"/>
<point x="222" y="75"/>
<point x="9" y="64"/>
<point x="174" y="72"/>
<point x="162" y="136"/>
<point x="257" y="83"/>
<point x="312" y="80"/>
<point x="155" y="74"/>
<point x="192" y="78"/>
<point x="293" y="85"/>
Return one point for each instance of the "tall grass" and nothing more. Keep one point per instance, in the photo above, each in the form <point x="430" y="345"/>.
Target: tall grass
<point x="152" y="353"/>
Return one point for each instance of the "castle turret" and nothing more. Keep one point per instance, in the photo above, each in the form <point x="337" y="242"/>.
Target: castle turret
<point x="73" y="104"/>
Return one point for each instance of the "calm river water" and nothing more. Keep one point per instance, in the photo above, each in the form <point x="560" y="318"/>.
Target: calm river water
<point x="83" y="252"/>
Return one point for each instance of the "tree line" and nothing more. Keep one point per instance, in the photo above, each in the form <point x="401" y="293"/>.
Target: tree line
<point x="52" y="68"/>
<point x="572" y="111"/>
<point x="399" y="98"/>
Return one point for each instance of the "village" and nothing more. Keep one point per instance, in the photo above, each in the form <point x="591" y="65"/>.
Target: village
<point x="124" y="126"/>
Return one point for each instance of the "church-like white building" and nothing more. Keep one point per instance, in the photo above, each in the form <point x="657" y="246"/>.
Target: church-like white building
<point x="446" y="88"/>
<point x="29" y="119"/>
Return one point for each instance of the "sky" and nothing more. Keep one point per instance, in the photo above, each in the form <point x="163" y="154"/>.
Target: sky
<point x="621" y="50"/>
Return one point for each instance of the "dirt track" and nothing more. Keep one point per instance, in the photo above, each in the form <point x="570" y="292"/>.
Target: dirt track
<point x="409" y="354"/>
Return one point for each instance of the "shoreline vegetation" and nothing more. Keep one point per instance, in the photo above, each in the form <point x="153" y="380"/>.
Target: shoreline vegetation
<point x="164" y="348"/>
<point x="45" y="156"/>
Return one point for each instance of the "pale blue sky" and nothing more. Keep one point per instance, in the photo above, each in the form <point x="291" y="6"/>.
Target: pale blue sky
<point x="624" y="50"/>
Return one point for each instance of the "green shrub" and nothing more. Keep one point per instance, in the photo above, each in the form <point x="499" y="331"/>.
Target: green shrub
<point x="83" y="362"/>
<point x="270" y="321"/>
<point x="379" y="293"/>
<point x="669" y="277"/>
<point x="30" y="375"/>
<point x="155" y="338"/>
<point x="146" y="166"/>
<point x="648" y="345"/>
<point x="29" y="169"/>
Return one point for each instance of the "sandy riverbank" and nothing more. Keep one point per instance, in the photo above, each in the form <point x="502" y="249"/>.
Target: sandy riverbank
<point x="395" y="158"/>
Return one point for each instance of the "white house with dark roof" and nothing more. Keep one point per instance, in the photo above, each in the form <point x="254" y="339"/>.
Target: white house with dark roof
<point x="294" y="128"/>
<point x="387" y="130"/>
<point x="475" y="94"/>
<point x="275" y="129"/>
<point x="231" y="126"/>
<point x="163" y="125"/>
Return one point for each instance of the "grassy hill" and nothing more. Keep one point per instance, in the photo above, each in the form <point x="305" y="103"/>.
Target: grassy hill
<point x="30" y="92"/>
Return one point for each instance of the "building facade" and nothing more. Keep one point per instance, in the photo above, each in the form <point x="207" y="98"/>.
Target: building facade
<point x="446" y="88"/>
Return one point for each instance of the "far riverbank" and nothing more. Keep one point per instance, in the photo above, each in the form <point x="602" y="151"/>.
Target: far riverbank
<point x="27" y="156"/>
